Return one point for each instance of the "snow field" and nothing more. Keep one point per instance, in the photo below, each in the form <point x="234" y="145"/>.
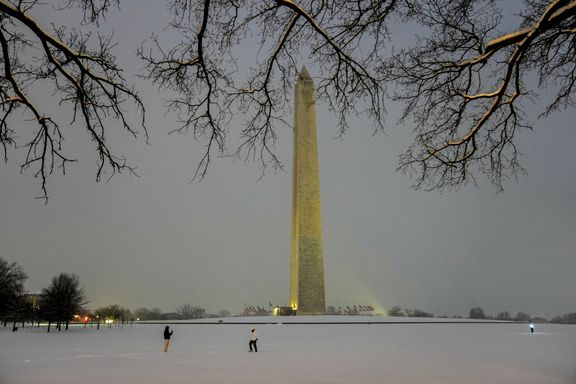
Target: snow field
<point x="293" y="353"/>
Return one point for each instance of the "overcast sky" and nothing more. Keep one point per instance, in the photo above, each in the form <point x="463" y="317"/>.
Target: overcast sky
<point x="160" y="241"/>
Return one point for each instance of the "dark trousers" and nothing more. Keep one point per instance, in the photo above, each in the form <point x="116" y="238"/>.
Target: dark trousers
<point x="253" y="343"/>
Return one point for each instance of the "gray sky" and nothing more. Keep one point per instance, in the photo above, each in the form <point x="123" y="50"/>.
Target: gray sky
<point x="159" y="241"/>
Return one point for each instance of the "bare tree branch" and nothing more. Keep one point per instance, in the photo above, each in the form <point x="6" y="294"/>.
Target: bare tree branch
<point x="464" y="83"/>
<point x="464" y="88"/>
<point x="88" y="80"/>
<point x="210" y="92"/>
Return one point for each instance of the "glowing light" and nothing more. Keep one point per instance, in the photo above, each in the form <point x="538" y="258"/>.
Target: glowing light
<point x="109" y="321"/>
<point x="283" y="311"/>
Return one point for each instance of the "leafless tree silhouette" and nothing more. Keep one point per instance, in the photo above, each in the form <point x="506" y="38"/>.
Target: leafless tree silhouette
<point x="62" y="299"/>
<point x="86" y="78"/>
<point x="463" y="83"/>
<point x="343" y="39"/>
<point x="12" y="279"/>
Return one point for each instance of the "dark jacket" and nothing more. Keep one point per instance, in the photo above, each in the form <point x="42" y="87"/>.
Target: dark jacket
<point x="167" y="334"/>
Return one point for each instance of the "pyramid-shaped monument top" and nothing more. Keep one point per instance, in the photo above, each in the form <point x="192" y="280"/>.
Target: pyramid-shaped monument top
<point x="304" y="74"/>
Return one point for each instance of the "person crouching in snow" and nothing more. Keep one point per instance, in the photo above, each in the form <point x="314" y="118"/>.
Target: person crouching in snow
<point x="253" y="340"/>
<point x="167" y="334"/>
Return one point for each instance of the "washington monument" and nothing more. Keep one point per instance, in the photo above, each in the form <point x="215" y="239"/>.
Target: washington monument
<point x="307" y="259"/>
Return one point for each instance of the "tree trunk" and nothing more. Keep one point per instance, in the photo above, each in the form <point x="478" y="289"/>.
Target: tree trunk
<point x="48" y="331"/>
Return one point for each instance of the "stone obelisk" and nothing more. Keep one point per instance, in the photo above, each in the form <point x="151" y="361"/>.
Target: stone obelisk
<point x="307" y="261"/>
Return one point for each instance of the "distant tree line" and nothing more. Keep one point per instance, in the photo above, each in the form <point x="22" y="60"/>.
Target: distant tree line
<point x="111" y="315"/>
<point x="359" y="309"/>
<point x="184" y="312"/>
<point x="397" y="311"/>
<point x="479" y="314"/>
<point x="57" y="304"/>
<point x="63" y="301"/>
<point x="569" y="318"/>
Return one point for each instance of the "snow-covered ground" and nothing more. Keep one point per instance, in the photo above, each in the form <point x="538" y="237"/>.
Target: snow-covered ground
<point x="293" y="353"/>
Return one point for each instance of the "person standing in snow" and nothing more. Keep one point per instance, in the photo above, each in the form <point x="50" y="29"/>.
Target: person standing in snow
<point x="253" y="340"/>
<point x="531" y="327"/>
<point x="167" y="334"/>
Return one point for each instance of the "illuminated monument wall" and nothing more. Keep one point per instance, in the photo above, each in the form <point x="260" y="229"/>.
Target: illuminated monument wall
<point x="307" y="260"/>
